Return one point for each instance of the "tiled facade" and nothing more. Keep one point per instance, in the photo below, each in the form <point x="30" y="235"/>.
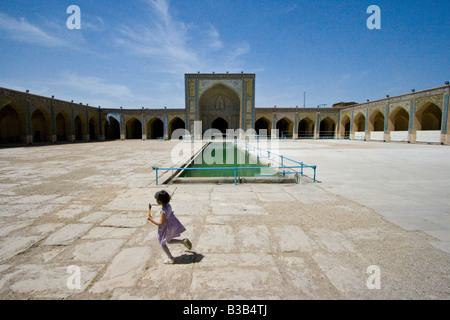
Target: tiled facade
<point x="225" y="101"/>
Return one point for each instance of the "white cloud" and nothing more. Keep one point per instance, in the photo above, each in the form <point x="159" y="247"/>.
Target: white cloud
<point x="94" y="86"/>
<point x="162" y="6"/>
<point x="100" y="92"/>
<point x="215" y="42"/>
<point x="165" y="41"/>
<point x="177" y="48"/>
<point x="69" y="86"/>
<point x="93" y="23"/>
<point x="23" y="31"/>
<point x="240" y="50"/>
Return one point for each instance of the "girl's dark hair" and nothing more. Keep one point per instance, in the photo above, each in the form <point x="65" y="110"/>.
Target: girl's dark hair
<point x="163" y="197"/>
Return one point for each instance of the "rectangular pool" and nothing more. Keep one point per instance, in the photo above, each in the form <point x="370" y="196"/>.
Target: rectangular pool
<point x="226" y="155"/>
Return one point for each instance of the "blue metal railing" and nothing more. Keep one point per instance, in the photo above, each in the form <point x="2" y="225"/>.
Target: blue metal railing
<point x="260" y="152"/>
<point x="238" y="168"/>
<point x="282" y="159"/>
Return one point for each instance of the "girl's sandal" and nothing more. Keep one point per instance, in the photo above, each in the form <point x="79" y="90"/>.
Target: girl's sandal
<point x="187" y="244"/>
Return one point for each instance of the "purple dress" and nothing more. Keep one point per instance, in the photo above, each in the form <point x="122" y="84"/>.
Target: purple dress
<point x="172" y="227"/>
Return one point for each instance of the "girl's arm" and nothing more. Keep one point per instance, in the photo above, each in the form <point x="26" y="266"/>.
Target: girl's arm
<point x="160" y="223"/>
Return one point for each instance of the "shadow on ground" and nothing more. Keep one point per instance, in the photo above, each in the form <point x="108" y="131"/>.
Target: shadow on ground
<point x="189" y="258"/>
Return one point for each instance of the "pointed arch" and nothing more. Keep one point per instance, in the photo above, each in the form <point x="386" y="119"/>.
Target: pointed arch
<point x="40" y="126"/>
<point x="376" y="121"/>
<point x="176" y="124"/>
<point x="345" y="127"/>
<point x="285" y="128"/>
<point x="10" y="125"/>
<point x="398" y="120"/>
<point x="428" y="118"/>
<point x="220" y="84"/>
<point x="220" y="124"/>
<point x="112" y="129"/>
<point x="263" y="124"/>
<point x="78" y="128"/>
<point x="327" y="129"/>
<point x="93" y="131"/>
<point x="219" y="100"/>
<point x="359" y="123"/>
<point x="155" y="128"/>
<point x="306" y="128"/>
<point x="133" y="129"/>
<point x="62" y="126"/>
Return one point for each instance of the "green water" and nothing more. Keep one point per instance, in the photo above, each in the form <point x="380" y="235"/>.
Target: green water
<point x="225" y="155"/>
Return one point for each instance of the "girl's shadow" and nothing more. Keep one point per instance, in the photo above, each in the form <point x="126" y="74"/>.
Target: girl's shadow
<point x="189" y="258"/>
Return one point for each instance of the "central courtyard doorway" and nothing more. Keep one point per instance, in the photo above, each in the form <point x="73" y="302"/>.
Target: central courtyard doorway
<point x="218" y="103"/>
<point x="220" y="124"/>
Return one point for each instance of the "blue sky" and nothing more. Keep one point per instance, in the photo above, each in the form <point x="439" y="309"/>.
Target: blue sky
<point x="135" y="53"/>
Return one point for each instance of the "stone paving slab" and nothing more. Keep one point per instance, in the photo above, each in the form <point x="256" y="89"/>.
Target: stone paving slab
<point x="230" y="208"/>
<point x="48" y="281"/>
<point x="11" y="246"/>
<point x="309" y="282"/>
<point x="96" y="251"/>
<point x="305" y="241"/>
<point x="332" y="241"/>
<point x="274" y="197"/>
<point x="7" y="228"/>
<point x="109" y="233"/>
<point x="164" y="282"/>
<point x="291" y="238"/>
<point x="73" y="211"/>
<point x="67" y="234"/>
<point x="44" y="229"/>
<point x="384" y="177"/>
<point x="342" y="271"/>
<point x="187" y="207"/>
<point x="123" y="220"/>
<point x="136" y="294"/>
<point x="135" y="203"/>
<point x="228" y="197"/>
<point x="228" y="280"/>
<point x="255" y="239"/>
<point x="48" y="254"/>
<point x="309" y="195"/>
<point x="124" y="271"/>
<point x="95" y="217"/>
<point x="216" y="238"/>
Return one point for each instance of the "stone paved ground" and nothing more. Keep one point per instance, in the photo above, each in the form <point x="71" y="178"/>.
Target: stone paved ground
<point x="85" y="205"/>
<point x="409" y="185"/>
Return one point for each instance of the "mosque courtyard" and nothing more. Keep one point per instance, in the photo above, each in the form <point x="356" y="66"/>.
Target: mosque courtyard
<point x="84" y="206"/>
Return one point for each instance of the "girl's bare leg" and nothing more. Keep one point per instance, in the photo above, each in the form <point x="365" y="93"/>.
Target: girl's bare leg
<point x="167" y="251"/>
<point x="184" y="242"/>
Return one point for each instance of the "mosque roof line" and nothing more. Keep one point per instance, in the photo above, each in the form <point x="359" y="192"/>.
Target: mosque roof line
<point x="11" y="92"/>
